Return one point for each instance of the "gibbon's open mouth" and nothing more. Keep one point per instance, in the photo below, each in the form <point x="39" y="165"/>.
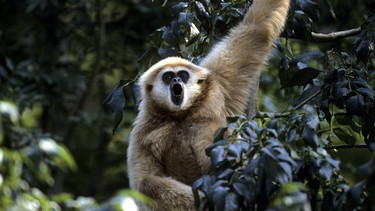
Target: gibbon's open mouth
<point x="177" y="92"/>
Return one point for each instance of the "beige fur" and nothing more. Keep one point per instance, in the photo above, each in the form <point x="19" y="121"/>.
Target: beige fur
<point x="167" y="145"/>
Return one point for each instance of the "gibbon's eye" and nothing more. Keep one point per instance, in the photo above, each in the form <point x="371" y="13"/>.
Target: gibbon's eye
<point x="184" y="76"/>
<point x="200" y="81"/>
<point x="167" y="77"/>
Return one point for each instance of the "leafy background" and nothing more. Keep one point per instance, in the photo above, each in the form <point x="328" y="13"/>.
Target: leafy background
<point x="61" y="147"/>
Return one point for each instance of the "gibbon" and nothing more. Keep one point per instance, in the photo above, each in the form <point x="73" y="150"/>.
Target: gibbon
<point x="184" y="105"/>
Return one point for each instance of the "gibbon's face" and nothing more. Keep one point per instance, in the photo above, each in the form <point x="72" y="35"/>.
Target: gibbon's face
<point x="176" y="84"/>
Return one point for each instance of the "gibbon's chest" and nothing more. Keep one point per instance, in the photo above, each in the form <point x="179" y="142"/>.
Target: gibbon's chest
<point x="184" y="157"/>
<point x="182" y="149"/>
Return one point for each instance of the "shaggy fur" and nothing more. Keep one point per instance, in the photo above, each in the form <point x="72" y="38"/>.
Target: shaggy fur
<point x="167" y="145"/>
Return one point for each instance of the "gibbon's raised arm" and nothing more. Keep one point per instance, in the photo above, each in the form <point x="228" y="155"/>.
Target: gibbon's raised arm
<point x="239" y="57"/>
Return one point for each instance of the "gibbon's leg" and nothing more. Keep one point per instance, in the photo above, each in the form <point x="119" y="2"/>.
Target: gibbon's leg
<point x="237" y="60"/>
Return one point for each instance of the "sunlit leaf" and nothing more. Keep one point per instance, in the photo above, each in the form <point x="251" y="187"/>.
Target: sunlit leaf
<point x="10" y="110"/>
<point x="58" y="154"/>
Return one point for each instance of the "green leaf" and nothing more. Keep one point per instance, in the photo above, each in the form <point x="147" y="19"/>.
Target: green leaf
<point x="285" y="175"/>
<point x="62" y="197"/>
<point x="344" y="135"/>
<point x="310" y="137"/>
<point x="299" y="75"/>
<point x="169" y="37"/>
<point x="201" y="10"/>
<point x="306" y="94"/>
<point x="58" y="154"/>
<point x="290" y="196"/>
<point x="137" y="196"/>
<point x="368" y="168"/>
<point x="167" y="52"/>
<point x="307" y="57"/>
<point x="236" y="149"/>
<point x="242" y="188"/>
<point x="356" y="105"/>
<point x="366" y="92"/>
<point x="178" y="8"/>
<point x="115" y="102"/>
<point x="219" y="196"/>
<point x="311" y="8"/>
<point x="356" y="192"/>
<point x="231" y="202"/>
<point x="185" y="19"/>
<point x="269" y="153"/>
<point x="217" y="155"/>
<point x="9" y="64"/>
<point x="345" y="119"/>
<point x="326" y="171"/>
<point x="225" y="174"/>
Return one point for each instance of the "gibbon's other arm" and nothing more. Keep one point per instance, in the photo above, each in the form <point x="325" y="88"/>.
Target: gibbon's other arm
<point x="237" y="60"/>
<point x="146" y="175"/>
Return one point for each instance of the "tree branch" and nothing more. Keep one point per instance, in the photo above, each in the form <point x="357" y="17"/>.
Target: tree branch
<point x="330" y="37"/>
<point x="320" y="37"/>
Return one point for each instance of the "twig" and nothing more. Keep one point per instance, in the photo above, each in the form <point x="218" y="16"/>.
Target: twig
<point x="346" y="146"/>
<point x="307" y="100"/>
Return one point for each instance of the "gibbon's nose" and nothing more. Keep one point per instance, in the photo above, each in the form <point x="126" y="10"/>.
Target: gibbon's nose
<point x="177" y="80"/>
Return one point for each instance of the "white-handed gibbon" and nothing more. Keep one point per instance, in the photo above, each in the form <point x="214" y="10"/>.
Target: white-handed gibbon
<point x="183" y="105"/>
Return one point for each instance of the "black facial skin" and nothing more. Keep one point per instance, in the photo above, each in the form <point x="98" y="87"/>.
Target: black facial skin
<point x="176" y="82"/>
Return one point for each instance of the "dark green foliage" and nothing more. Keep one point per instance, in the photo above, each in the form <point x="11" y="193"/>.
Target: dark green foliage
<point x="254" y="163"/>
<point x="347" y="87"/>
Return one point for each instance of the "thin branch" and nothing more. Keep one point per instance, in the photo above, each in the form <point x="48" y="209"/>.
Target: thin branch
<point x="320" y="37"/>
<point x="347" y="146"/>
<point x="307" y="100"/>
<point x="287" y="114"/>
<point x="330" y="37"/>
